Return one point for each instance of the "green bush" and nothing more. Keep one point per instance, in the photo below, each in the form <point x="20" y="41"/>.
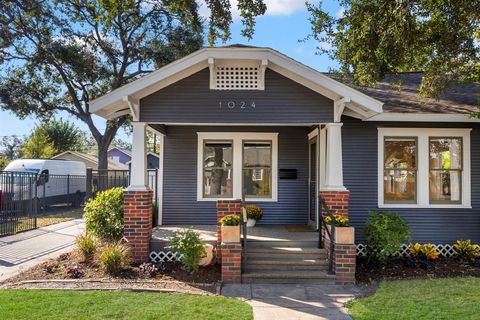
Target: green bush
<point x="86" y="245"/>
<point x="188" y="244"/>
<point x="384" y="234"/>
<point x="104" y="215"/>
<point x="114" y="257"/>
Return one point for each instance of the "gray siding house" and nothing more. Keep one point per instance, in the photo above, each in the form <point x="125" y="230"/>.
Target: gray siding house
<point x="250" y="122"/>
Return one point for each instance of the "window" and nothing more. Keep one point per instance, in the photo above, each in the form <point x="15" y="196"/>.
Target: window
<point x="400" y="170"/>
<point x="257" y="169"/>
<point x="232" y="163"/>
<point x="445" y="170"/>
<point x="217" y="169"/>
<point x="420" y="167"/>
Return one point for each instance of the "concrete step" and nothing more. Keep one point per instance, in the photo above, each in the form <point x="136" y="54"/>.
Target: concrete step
<point x="286" y="277"/>
<point x="285" y="256"/>
<point x="286" y="265"/>
<point x="286" y="250"/>
<point x="289" y="243"/>
<point x="296" y="267"/>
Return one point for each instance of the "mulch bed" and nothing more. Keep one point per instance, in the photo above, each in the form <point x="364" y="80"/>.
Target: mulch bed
<point x="68" y="272"/>
<point x="401" y="269"/>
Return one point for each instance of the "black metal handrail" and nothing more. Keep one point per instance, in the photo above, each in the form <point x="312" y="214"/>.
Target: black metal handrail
<point x="324" y="212"/>
<point x="244" y="238"/>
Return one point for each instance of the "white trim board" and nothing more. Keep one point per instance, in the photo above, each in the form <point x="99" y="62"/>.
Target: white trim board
<point x="423" y="117"/>
<point x="237" y="138"/>
<point x="422" y="193"/>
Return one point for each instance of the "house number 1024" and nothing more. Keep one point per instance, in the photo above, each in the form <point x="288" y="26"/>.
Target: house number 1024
<point x="236" y="105"/>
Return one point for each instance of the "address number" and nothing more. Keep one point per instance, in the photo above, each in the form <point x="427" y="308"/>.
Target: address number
<point x="236" y="105"/>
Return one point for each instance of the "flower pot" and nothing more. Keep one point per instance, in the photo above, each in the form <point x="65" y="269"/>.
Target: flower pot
<point x="230" y="233"/>
<point x="344" y="235"/>
<point x="207" y="260"/>
<point x="251" y="222"/>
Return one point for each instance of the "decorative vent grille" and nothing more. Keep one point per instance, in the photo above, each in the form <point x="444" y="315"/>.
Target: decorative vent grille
<point x="164" y="256"/>
<point x="445" y="250"/>
<point x="237" y="75"/>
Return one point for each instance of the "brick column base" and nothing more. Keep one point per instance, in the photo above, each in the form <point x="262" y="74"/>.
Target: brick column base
<point x="138" y="223"/>
<point x="344" y="264"/>
<point x="231" y="263"/>
<point x="225" y="207"/>
<point x="336" y="201"/>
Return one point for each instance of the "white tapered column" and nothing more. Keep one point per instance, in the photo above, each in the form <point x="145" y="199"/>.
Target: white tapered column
<point x="138" y="171"/>
<point x="334" y="161"/>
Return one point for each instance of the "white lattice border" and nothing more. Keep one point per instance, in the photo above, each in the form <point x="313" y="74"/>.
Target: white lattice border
<point x="445" y="250"/>
<point x="164" y="256"/>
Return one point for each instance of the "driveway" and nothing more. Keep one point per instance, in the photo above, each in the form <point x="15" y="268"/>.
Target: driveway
<point x="295" y="302"/>
<point x="24" y="250"/>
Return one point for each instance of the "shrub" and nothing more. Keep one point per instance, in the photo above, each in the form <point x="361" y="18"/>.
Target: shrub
<point x="466" y="250"/>
<point x="104" y="215"/>
<point x="254" y="212"/>
<point x="114" y="257"/>
<point x="86" y="245"/>
<point x="384" y="234"/>
<point x="149" y="268"/>
<point x="337" y="221"/>
<point x="189" y="246"/>
<point x="74" y="272"/>
<point x="64" y="256"/>
<point x="50" y="267"/>
<point x="230" y="220"/>
<point x="423" y="251"/>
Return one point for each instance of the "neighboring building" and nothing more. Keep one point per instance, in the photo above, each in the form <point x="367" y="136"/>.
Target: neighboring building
<point x="242" y="118"/>
<point x="90" y="161"/>
<point x="125" y="156"/>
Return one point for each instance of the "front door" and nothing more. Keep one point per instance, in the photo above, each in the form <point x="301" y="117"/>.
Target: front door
<point x="312" y="181"/>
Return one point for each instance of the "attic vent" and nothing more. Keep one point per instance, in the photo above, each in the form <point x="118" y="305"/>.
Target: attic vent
<point x="237" y="75"/>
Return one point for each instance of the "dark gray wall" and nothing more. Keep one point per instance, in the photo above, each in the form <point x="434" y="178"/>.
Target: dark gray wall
<point x="360" y="177"/>
<point x="191" y="101"/>
<point x="180" y="205"/>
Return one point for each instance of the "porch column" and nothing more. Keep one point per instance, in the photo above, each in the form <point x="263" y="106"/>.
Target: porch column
<point x="138" y="199"/>
<point x="334" y="165"/>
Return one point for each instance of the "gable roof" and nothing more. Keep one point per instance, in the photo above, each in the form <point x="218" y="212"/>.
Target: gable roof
<point x="400" y="94"/>
<point x="112" y="165"/>
<point x="125" y="100"/>
<point x="124" y="151"/>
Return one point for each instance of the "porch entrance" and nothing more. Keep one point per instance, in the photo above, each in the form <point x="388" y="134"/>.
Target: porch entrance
<point x="312" y="180"/>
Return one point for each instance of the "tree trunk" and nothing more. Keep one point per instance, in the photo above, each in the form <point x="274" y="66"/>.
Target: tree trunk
<point x="102" y="166"/>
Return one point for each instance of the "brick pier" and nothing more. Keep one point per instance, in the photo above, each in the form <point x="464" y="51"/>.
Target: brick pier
<point x="138" y="223"/>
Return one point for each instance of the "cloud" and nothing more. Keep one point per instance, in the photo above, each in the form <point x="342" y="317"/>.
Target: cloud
<point x="274" y="8"/>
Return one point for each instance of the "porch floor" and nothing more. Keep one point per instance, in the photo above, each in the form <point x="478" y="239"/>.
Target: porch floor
<point x="208" y="233"/>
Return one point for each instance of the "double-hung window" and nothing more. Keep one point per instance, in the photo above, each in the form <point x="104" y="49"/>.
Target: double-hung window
<point x="420" y="167"/>
<point x="236" y="164"/>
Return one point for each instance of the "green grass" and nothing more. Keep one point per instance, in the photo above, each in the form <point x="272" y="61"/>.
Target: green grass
<point x="47" y="304"/>
<point x="453" y="298"/>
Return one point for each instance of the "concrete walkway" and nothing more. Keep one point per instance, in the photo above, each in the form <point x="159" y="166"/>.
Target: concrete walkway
<point x="295" y="302"/>
<point x="24" y="250"/>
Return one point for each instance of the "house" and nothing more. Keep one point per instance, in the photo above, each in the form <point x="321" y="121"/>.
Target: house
<point x="125" y="156"/>
<point x="250" y="122"/>
<point x="90" y="161"/>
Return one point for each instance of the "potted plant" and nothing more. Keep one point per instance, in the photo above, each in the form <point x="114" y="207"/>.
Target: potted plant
<point x="344" y="234"/>
<point x="230" y="228"/>
<point x="254" y="213"/>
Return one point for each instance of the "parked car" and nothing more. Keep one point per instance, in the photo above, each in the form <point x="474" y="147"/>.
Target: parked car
<point x="46" y="182"/>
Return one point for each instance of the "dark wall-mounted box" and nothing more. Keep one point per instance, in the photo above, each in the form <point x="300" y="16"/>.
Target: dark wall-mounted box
<point x="287" y="173"/>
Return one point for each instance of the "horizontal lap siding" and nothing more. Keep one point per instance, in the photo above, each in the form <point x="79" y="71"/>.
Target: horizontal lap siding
<point x="427" y="225"/>
<point x="180" y="205"/>
<point x="191" y="101"/>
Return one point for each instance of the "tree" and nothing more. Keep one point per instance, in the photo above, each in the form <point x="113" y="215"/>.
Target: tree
<point x="38" y="146"/>
<point x="59" y="55"/>
<point x="63" y="135"/>
<point x="375" y="37"/>
<point x="3" y="162"/>
<point x="11" y="147"/>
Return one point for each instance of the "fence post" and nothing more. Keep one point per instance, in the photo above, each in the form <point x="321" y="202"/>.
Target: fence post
<point x="68" y="191"/>
<point x="88" y="191"/>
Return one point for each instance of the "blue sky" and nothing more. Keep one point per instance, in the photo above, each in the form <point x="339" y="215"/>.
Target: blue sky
<point x="285" y="23"/>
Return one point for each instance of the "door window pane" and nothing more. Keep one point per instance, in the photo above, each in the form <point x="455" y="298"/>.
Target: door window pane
<point x="400" y="170"/>
<point x="257" y="169"/>
<point x="217" y="169"/>
<point x="445" y="175"/>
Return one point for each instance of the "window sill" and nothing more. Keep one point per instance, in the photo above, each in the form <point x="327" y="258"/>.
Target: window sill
<point x="246" y="200"/>
<point x="418" y="206"/>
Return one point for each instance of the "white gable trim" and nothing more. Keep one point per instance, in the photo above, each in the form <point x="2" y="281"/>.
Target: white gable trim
<point x="423" y="117"/>
<point x="113" y="104"/>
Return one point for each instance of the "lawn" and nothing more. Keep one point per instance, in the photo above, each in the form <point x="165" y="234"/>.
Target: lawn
<point x="49" y="304"/>
<point x="451" y="298"/>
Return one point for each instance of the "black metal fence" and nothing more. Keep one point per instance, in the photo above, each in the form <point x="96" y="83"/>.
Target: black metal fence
<point x="24" y="196"/>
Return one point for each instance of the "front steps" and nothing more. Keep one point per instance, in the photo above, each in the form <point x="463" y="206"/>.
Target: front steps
<point x="286" y="262"/>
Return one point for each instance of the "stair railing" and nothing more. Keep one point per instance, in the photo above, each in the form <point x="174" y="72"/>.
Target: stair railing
<point x="324" y="212"/>
<point x="244" y="218"/>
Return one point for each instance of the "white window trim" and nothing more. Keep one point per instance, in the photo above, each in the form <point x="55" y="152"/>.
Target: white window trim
<point x="238" y="138"/>
<point x="422" y="135"/>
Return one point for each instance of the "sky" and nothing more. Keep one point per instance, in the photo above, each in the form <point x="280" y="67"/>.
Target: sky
<point x="285" y="23"/>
